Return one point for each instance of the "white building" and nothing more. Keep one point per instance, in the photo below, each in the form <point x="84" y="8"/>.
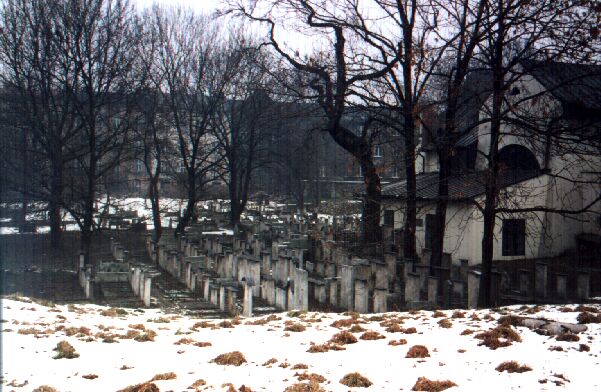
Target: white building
<point x="558" y="169"/>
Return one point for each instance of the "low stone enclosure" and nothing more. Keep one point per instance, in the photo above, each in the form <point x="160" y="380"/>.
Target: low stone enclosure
<point x="299" y="264"/>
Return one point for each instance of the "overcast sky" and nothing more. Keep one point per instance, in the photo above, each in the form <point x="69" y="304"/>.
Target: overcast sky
<point x="200" y="5"/>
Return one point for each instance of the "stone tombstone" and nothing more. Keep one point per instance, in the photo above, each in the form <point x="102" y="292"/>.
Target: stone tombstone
<point x="301" y="289"/>
<point x="222" y="296"/>
<point x="411" y="289"/>
<point x="333" y="291"/>
<point x="361" y="296"/>
<point x="583" y="283"/>
<point x="247" y="304"/>
<point x="540" y="280"/>
<point x="433" y="290"/>
<point x="473" y="289"/>
<point x="561" y="281"/>
<point x="347" y="277"/>
<point x="380" y="300"/>
<point x="525" y="283"/>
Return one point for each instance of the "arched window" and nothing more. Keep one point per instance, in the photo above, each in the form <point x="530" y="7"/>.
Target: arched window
<point x="516" y="157"/>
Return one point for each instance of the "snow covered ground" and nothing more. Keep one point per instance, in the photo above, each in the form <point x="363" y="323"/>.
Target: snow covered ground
<point x="31" y="331"/>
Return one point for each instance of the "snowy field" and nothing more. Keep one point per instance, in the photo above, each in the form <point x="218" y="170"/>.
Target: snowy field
<point x="117" y="348"/>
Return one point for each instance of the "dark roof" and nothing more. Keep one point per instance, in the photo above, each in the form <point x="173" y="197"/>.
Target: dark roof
<point x="578" y="85"/>
<point x="474" y="92"/>
<point x="461" y="187"/>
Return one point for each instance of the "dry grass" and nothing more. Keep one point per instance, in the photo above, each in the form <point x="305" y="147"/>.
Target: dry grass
<point x="424" y="384"/>
<point x="491" y="338"/>
<point x="300" y="366"/>
<point x="399" y="342"/>
<point x="344" y="323"/>
<point x="445" y="323"/>
<point x="148" y="336"/>
<point x="264" y="320"/>
<point x="269" y="362"/>
<point x="555" y="348"/>
<point x="356" y="328"/>
<point x="512" y="367"/>
<point x="89" y="376"/>
<point x="284" y="365"/>
<point x="584" y="348"/>
<point x="29" y="331"/>
<point x="163" y="376"/>
<point x="160" y="320"/>
<point x="311" y="377"/>
<point x="202" y="344"/>
<point x="467" y="332"/>
<point x="588" y="318"/>
<point x="82" y="331"/>
<point x="45" y="388"/>
<point x="226" y="324"/>
<point x="355" y="380"/>
<point x="394" y="327"/>
<point x="304" y="387"/>
<point x="235" y="358"/>
<point x="131" y="334"/>
<point x="438" y="313"/>
<point x="125" y="367"/>
<point x="417" y="351"/>
<point x="586" y="308"/>
<point x="65" y="350"/>
<point x="112" y="312"/>
<point x="458" y="314"/>
<point x="567" y="337"/>
<point x="410" y="330"/>
<point x="197" y="384"/>
<point x="143" y="387"/>
<point x="139" y="327"/>
<point x="184" y="341"/>
<point x="343" y="337"/>
<point x="372" y="335"/>
<point x="295" y="327"/>
<point x="319" y="348"/>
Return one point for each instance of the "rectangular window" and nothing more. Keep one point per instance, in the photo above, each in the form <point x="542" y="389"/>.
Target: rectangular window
<point x="377" y="152"/>
<point x="138" y="164"/>
<point x="389" y="218"/>
<point x="514" y="237"/>
<point x="431" y="231"/>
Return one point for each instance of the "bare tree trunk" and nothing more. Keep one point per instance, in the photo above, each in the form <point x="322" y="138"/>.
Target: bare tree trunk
<point x="409" y="246"/>
<point x="190" y="211"/>
<point x="156" y="210"/>
<point x="371" y="207"/>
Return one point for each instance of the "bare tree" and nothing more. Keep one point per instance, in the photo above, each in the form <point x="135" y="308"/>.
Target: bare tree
<point x="344" y="62"/>
<point x="197" y="70"/>
<point x="99" y="43"/>
<point x="37" y="77"/>
<point x="242" y="122"/>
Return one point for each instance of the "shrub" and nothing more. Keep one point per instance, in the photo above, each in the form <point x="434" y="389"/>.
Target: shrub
<point x="344" y="337"/>
<point x="235" y="358"/>
<point x="371" y="335"/>
<point x="65" y="350"/>
<point x="296" y="327"/>
<point x="438" y="313"/>
<point x="355" y="380"/>
<point x="392" y="328"/>
<point x="423" y="384"/>
<point x="467" y="332"/>
<point x="417" y="351"/>
<point x="512" y="367"/>
<point x="584" y="348"/>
